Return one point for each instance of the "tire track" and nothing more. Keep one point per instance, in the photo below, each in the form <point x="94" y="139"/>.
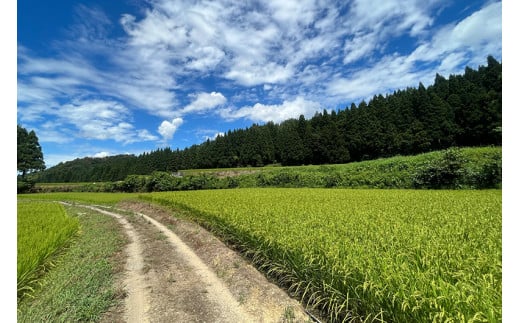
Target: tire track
<point x="225" y="307"/>
<point x="217" y="291"/>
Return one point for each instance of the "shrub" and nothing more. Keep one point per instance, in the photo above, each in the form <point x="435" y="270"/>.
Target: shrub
<point x="161" y="182"/>
<point x="133" y="183"/>
<point x="441" y="173"/>
<point x="490" y="173"/>
<point x="24" y="186"/>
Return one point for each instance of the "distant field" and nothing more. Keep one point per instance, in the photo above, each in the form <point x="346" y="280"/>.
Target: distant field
<point x="42" y="228"/>
<point x="396" y="255"/>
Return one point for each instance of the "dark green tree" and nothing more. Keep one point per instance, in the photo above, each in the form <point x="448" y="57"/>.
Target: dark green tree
<point x="29" y="153"/>
<point x="290" y="144"/>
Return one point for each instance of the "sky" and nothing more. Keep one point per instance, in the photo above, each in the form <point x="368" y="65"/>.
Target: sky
<point x="100" y="78"/>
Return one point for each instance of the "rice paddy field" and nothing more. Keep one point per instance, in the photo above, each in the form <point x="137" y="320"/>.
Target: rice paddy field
<point x="367" y="255"/>
<point x="371" y="255"/>
<point x="42" y="228"/>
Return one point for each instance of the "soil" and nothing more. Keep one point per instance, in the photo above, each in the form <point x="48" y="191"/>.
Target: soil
<point x="176" y="271"/>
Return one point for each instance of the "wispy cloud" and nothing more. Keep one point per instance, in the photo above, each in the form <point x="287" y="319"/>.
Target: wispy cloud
<point x="256" y="61"/>
<point x="476" y="35"/>
<point x="101" y="120"/>
<point x="448" y="51"/>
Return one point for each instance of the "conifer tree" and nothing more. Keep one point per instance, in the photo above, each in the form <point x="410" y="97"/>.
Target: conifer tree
<point x="29" y="152"/>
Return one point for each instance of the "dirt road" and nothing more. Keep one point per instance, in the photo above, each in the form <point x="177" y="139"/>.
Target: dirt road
<point x="176" y="271"/>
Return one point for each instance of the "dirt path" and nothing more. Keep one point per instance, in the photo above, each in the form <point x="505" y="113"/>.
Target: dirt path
<point x="137" y="300"/>
<point x="179" y="272"/>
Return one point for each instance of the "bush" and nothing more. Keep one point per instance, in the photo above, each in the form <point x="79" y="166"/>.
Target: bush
<point x="24" y="186"/>
<point x="489" y="174"/>
<point x="442" y="173"/>
<point x="162" y="182"/>
<point x="133" y="183"/>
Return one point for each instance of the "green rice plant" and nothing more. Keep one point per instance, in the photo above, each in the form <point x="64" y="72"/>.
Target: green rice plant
<point x="82" y="197"/>
<point x="367" y="255"/>
<point x="42" y="228"/>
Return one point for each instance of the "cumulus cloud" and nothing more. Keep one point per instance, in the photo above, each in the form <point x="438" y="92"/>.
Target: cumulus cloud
<point x="101" y="154"/>
<point x="167" y="129"/>
<point x="276" y="113"/>
<point x="204" y="101"/>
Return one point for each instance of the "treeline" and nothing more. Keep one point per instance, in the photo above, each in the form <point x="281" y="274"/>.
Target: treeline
<point x="462" y="110"/>
<point x="112" y="168"/>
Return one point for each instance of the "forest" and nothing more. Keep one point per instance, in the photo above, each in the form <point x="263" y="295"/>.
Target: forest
<point x="458" y="111"/>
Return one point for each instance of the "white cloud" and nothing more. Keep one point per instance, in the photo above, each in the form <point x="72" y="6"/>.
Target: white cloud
<point x="451" y="63"/>
<point x="449" y="50"/>
<point x="168" y="61"/>
<point x="359" y="46"/>
<point x="167" y="129"/>
<point x="392" y="72"/>
<point x="53" y="131"/>
<point x="205" y="58"/>
<point x="392" y="16"/>
<point x="218" y="134"/>
<point x="102" y="120"/>
<point x="373" y="24"/>
<point x="293" y="13"/>
<point x="276" y="113"/>
<point x="477" y="34"/>
<point x="101" y="154"/>
<point x="95" y="24"/>
<point x="248" y="73"/>
<point x="79" y="68"/>
<point x="204" y="101"/>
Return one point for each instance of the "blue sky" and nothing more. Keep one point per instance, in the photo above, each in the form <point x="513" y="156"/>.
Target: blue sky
<point x="98" y="78"/>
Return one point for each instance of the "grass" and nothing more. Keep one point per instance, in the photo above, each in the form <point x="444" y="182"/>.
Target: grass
<point x="80" y="286"/>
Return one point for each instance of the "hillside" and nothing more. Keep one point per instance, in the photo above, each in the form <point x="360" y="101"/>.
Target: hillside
<point x="453" y="168"/>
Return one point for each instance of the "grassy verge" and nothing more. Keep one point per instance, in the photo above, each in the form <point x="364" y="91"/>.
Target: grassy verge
<point x="81" y="285"/>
